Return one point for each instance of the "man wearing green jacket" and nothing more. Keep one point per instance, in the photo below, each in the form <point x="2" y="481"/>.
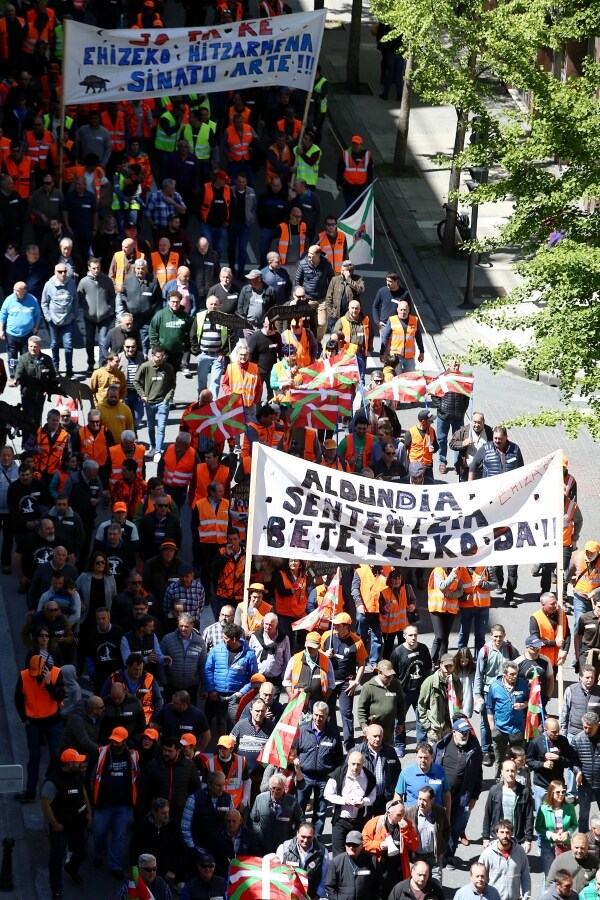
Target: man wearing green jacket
<point x="155" y="384"/>
<point x="170" y="327"/>
<point x="439" y="693"/>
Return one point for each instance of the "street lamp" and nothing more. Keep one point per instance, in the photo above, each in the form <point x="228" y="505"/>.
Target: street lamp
<point x="479" y="175"/>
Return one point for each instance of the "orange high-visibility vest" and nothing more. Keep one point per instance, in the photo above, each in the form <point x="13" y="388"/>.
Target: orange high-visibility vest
<point x="334" y="254"/>
<point x="50" y="459"/>
<point x="234" y="782"/>
<point x="21" y="174"/>
<point x="356" y="170"/>
<point x="255" y="622"/>
<point x="297" y="662"/>
<point x="548" y="632"/>
<point x="301" y="345"/>
<point x="403" y="342"/>
<point x="473" y="594"/>
<point x="209" y="193"/>
<point x="350" y="449"/>
<point x="165" y="271"/>
<point x="68" y="167"/>
<point x="213" y="523"/>
<point x="371" y="587"/>
<point x="294" y="605"/>
<point x="437" y="602"/>
<point x="120" y="267"/>
<point x="143" y="692"/>
<point x="4" y="36"/>
<point x="585" y="582"/>
<point x="38" y="149"/>
<point x="243" y="381"/>
<point x="204" y="476"/>
<point x="117" y="457"/>
<point x="135" y="772"/>
<point x="116" y="128"/>
<point x="99" y="174"/>
<point x="34" y="34"/>
<point x="284" y="240"/>
<point x="568" y="521"/>
<point x="246" y="112"/>
<point x="178" y="473"/>
<point x="296" y="129"/>
<point x="421" y="443"/>
<point x="39" y="704"/>
<point x="284" y="156"/>
<point x="231" y="578"/>
<point x="347" y="331"/>
<point x="395" y="617"/>
<point x="238" y="148"/>
<point x="94" y="446"/>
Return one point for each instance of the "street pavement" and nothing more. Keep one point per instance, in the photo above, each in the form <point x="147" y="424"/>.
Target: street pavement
<point x="407" y="210"/>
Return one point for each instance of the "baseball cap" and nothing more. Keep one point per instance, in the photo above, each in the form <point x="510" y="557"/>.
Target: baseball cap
<point x="385" y="667"/>
<point x="222" y="176"/>
<point x="416" y="468"/>
<point x="130" y="225"/>
<point x="168" y="544"/>
<point x="188" y="740"/>
<point x="592" y="547"/>
<point x="119" y="734"/>
<point x="203" y="857"/>
<point x="425" y="414"/>
<point x="534" y="642"/>
<point x="257" y="586"/>
<point x="257" y="678"/>
<point x="151" y="733"/>
<point x="461" y="725"/>
<point x="71" y="755"/>
<point x="226" y="741"/>
<point x="36" y="665"/>
<point x="342" y="619"/>
<point x="329" y="444"/>
<point x="356" y="139"/>
<point x="347" y="264"/>
<point x="254" y="273"/>
<point x="446" y="659"/>
<point x="354" y="837"/>
<point x="185" y="569"/>
<point x="119" y="507"/>
<point x="313" y="639"/>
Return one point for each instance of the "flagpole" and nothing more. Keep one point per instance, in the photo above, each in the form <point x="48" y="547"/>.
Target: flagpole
<point x="560" y="574"/>
<point x="61" y="130"/>
<point x="250" y="533"/>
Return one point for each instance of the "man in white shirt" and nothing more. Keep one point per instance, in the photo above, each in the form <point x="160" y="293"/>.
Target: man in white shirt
<point x="351" y="789"/>
<point x="306" y="852"/>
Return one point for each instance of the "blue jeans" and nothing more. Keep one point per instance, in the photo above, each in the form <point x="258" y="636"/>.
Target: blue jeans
<point x="442" y="430"/>
<point x="157" y="415"/>
<point x="411" y="698"/>
<point x="459" y="816"/>
<point x="215" y="237"/>
<point x="91" y="328"/>
<point x="15" y="346"/>
<point x="238" y="236"/>
<point x="586" y="795"/>
<point x="369" y="622"/>
<point x="339" y="699"/>
<point x="316" y="790"/>
<point x="210" y="372"/>
<point x="394" y="72"/>
<point x="406" y="365"/>
<point x="36" y="731"/>
<point x="266" y="239"/>
<point x="478" y="618"/>
<point x="136" y="405"/>
<point x="114" y="820"/>
<point x="539" y="794"/>
<point x="61" y="336"/>
<point x="486" y="734"/>
<point x="580" y="606"/>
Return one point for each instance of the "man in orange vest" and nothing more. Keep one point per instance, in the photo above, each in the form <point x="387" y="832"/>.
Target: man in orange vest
<point x="584" y="574"/>
<point x="355" y="170"/>
<point x="234" y="768"/>
<point x="213" y="524"/>
<point x="215" y="205"/>
<point x="550" y="625"/>
<point x="367" y="585"/>
<point x="289" y="240"/>
<point x="242" y="377"/>
<point x="20" y="168"/>
<point x="310" y="670"/>
<point x="239" y="138"/>
<point x="399" y="338"/>
<point x="123" y="262"/>
<point x="333" y="243"/>
<point x="38" y="696"/>
<point x="177" y="467"/>
<point x="421" y="441"/>
<point x="263" y="429"/>
<point x="356" y="448"/>
<point x="356" y="329"/>
<point x="52" y="444"/>
<point x="38" y="143"/>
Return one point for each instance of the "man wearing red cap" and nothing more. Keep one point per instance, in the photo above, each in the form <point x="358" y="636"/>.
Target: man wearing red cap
<point x="66" y="806"/>
<point x="348" y="656"/>
<point x="355" y="170"/>
<point x="113" y="775"/>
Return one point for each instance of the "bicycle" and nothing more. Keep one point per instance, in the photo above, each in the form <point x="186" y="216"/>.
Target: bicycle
<point x="462" y="231"/>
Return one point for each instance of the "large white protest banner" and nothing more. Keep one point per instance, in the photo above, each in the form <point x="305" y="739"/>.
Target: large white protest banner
<point x="306" y="511"/>
<point x="128" y="63"/>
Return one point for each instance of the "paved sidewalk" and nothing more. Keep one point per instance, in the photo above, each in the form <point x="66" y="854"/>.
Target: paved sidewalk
<point x="411" y="206"/>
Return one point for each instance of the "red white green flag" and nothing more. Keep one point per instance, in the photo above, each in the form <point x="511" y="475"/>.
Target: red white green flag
<point x="451" y="383"/>
<point x="277" y="748"/>
<point x="311" y="619"/>
<point x="137" y="888"/>
<point x="339" y="375"/>
<point x="453" y="704"/>
<point x="221" y="419"/>
<point x="256" y="878"/>
<point x="533" y="719"/>
<point x="319" y="409"/>
<point x="405" y="388"/>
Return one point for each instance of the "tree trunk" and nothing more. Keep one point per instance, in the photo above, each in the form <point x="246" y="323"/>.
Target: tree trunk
<point x="353" y="67"/>
<point x="454" y="183"/>
<point x="399" y="163"/>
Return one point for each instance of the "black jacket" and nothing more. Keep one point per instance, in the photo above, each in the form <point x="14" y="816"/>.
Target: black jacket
<point x="220" y="844"/>
<point x="391" y="765"/>
<point x="536" y="756"/>
<point x="165" y="843"/>
<point x="243" y="304"/>
<point x="522" y="815"/>
<point x="343" y="884"/>
<point x="402" y="891"/>
<point x="199" y="890"/>
<point x="473" y="775"/>
<point x="338" y="776"/>
<point x="174" y="782"/>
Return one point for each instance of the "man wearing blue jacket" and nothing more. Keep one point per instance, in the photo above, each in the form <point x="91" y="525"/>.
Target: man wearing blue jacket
<point x="19" y="318"/>
<point x="507" y="700"/>
<point x="229" y="668"/>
